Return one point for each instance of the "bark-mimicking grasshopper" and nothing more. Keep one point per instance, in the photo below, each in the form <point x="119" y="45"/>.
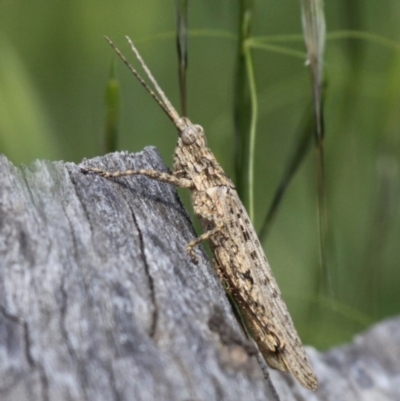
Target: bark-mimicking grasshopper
<point x="239" y="258"/>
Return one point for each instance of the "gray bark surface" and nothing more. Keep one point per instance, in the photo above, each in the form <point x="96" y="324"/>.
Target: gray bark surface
<point x="99" y="300"/>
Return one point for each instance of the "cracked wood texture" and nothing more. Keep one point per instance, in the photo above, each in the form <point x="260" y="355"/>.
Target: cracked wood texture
<point x="99" y="300"/>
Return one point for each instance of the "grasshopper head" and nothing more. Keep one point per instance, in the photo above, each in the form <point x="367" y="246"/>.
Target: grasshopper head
<point x="191" y="134"/>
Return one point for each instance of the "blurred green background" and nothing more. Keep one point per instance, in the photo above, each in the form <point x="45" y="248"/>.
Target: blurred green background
<point x="54" y="67"/>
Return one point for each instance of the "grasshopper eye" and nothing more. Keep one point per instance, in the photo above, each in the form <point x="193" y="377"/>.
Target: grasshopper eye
<point x="190" y="134"/>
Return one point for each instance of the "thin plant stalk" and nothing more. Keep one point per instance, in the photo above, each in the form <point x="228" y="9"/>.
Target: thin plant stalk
<point x="252" y="130"/>
<point x="242" y="104"/>
<point x="181" y="7"/>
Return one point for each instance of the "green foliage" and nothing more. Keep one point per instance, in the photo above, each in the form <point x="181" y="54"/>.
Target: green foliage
<point x="54" y="68"/>
<point x="25" y="132"/>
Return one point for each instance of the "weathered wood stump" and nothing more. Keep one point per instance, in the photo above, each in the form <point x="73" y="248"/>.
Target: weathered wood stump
<point x="99" y="300"/>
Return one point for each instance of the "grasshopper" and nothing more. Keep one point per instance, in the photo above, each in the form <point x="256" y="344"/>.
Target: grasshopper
<point x="238" y="255"/>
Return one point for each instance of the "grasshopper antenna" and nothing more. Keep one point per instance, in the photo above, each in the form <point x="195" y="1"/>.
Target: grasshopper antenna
<point x="162" y="101"/>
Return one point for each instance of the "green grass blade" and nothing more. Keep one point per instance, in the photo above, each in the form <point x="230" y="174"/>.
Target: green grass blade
<point x="295" y="160"/>
<point x="314" y="32"/>
<point x="112" y="100"/>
